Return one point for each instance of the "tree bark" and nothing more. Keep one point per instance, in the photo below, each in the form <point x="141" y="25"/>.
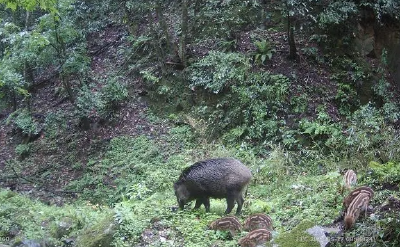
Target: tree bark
<point x="184" y="29"/>
<point x="292" y="43"/>
<point x="164" y="27"/>
<point x="156" y="44"/>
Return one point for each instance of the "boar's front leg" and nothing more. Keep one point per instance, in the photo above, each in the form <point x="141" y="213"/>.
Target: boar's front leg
<point x="205" y="201"/>
<point x="198" y="203"/>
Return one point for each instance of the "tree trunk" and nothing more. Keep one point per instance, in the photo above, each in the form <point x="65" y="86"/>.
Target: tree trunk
<point x="28" y="71"/>
<point x="184" y="29"/>
<point x="156" y="45"/>
<point x="164" y="27"/>
<point x="196" y="11"/>
<point x="14" y="99"/>
<point x="68" y="88"/>
<point x="292" y="43"/>
<point x="263" y="14"/>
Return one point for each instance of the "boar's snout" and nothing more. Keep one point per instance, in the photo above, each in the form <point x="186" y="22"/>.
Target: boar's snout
<point x="181" y="203"/>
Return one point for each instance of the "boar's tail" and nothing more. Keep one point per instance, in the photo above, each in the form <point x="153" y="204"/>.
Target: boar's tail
<point x="247" y="189"/>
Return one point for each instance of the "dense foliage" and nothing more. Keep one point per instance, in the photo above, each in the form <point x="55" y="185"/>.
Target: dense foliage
<point x="299" y="90"/>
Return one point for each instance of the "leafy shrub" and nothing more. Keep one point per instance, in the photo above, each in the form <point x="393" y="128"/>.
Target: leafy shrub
<point x="23" y="150"/>
<point x="334" y="20"/>
<point x="183" y="136"/>
<point x="264" y="51"/>
<point x="299" y="102"/>
<point x="22" y="50"/>
<point x="77" y="62"/>
<point x="224" y="19"/>
<point x="89" y="102"/>
<point x="24" y="122"/>
<point x="218" y="71"/>
<point x="368" y="133"/>
<point x="364" y="137"/>
<point x="259" y="99"/>
<point x="113" y="94"/>
<point x="385" y="173"/>
<point x="346" y="97"/>
<point x="322" y="131"/>
<point x="55" y="124"/>
<point x="250" y="102"/>
<point x="11" y="83"/>
<point x="337" y="12"/>
<point x="381" y="86"/>
<point x="313" y="52"/>
<point x="100" y="101"/>
<point x="389" y="228"/>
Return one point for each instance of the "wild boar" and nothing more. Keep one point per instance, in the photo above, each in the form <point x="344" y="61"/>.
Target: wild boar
<point x="350" y="178"/>
<point x="213" y="178"/>
<point x="258" y="221"/>
<point x="228" y="223"/>
<point x="363" y="189"/>
<point x="255" y="238"/>
<point x="358" y="204"/>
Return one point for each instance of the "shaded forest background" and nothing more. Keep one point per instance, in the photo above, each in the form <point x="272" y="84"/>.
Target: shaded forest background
<point x="104" y="102"/>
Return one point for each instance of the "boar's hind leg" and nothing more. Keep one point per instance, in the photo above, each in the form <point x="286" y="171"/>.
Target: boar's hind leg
<point x="239" y="200"/>
<point x="207" y="204"/>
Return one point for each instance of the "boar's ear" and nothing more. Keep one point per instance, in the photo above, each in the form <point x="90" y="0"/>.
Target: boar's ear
<point x="178" y="189"/>
<point x="181" y="191"/>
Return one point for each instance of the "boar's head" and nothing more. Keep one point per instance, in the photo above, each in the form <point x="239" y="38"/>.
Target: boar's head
<point x="182" y="194"/>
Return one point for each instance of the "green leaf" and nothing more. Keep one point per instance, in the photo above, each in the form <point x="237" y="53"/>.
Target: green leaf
<point x="263" y="58"/>
<point x="12" y="6"/>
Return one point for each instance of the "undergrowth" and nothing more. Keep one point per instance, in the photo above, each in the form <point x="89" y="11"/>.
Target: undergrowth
<point x="135" y="176"/>
<point x="24" y="219"/>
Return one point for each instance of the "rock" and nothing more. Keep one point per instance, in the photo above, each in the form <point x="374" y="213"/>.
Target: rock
<point x="69" y="242"/>
<point x="298" y="237"/>
<point x="365" y="39"/>
<point x="149" y="236"/>
<point x="29" y="243"/>
<point x="218" y="243"/>
<point x="100" y="234"/>
<point x="63" y="227"/>
<point x="319" y="234"/>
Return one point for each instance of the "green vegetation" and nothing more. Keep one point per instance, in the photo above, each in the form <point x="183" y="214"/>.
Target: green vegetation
<point x="297" y="237"/>
<point x="22" y="218"/>
<point x="142" y="201"/>
<point x="104" y="103"/>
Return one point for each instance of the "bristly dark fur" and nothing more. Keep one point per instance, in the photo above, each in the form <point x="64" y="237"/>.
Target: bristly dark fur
<point x="214" y="178"/>
<point x="197" y="165"/>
